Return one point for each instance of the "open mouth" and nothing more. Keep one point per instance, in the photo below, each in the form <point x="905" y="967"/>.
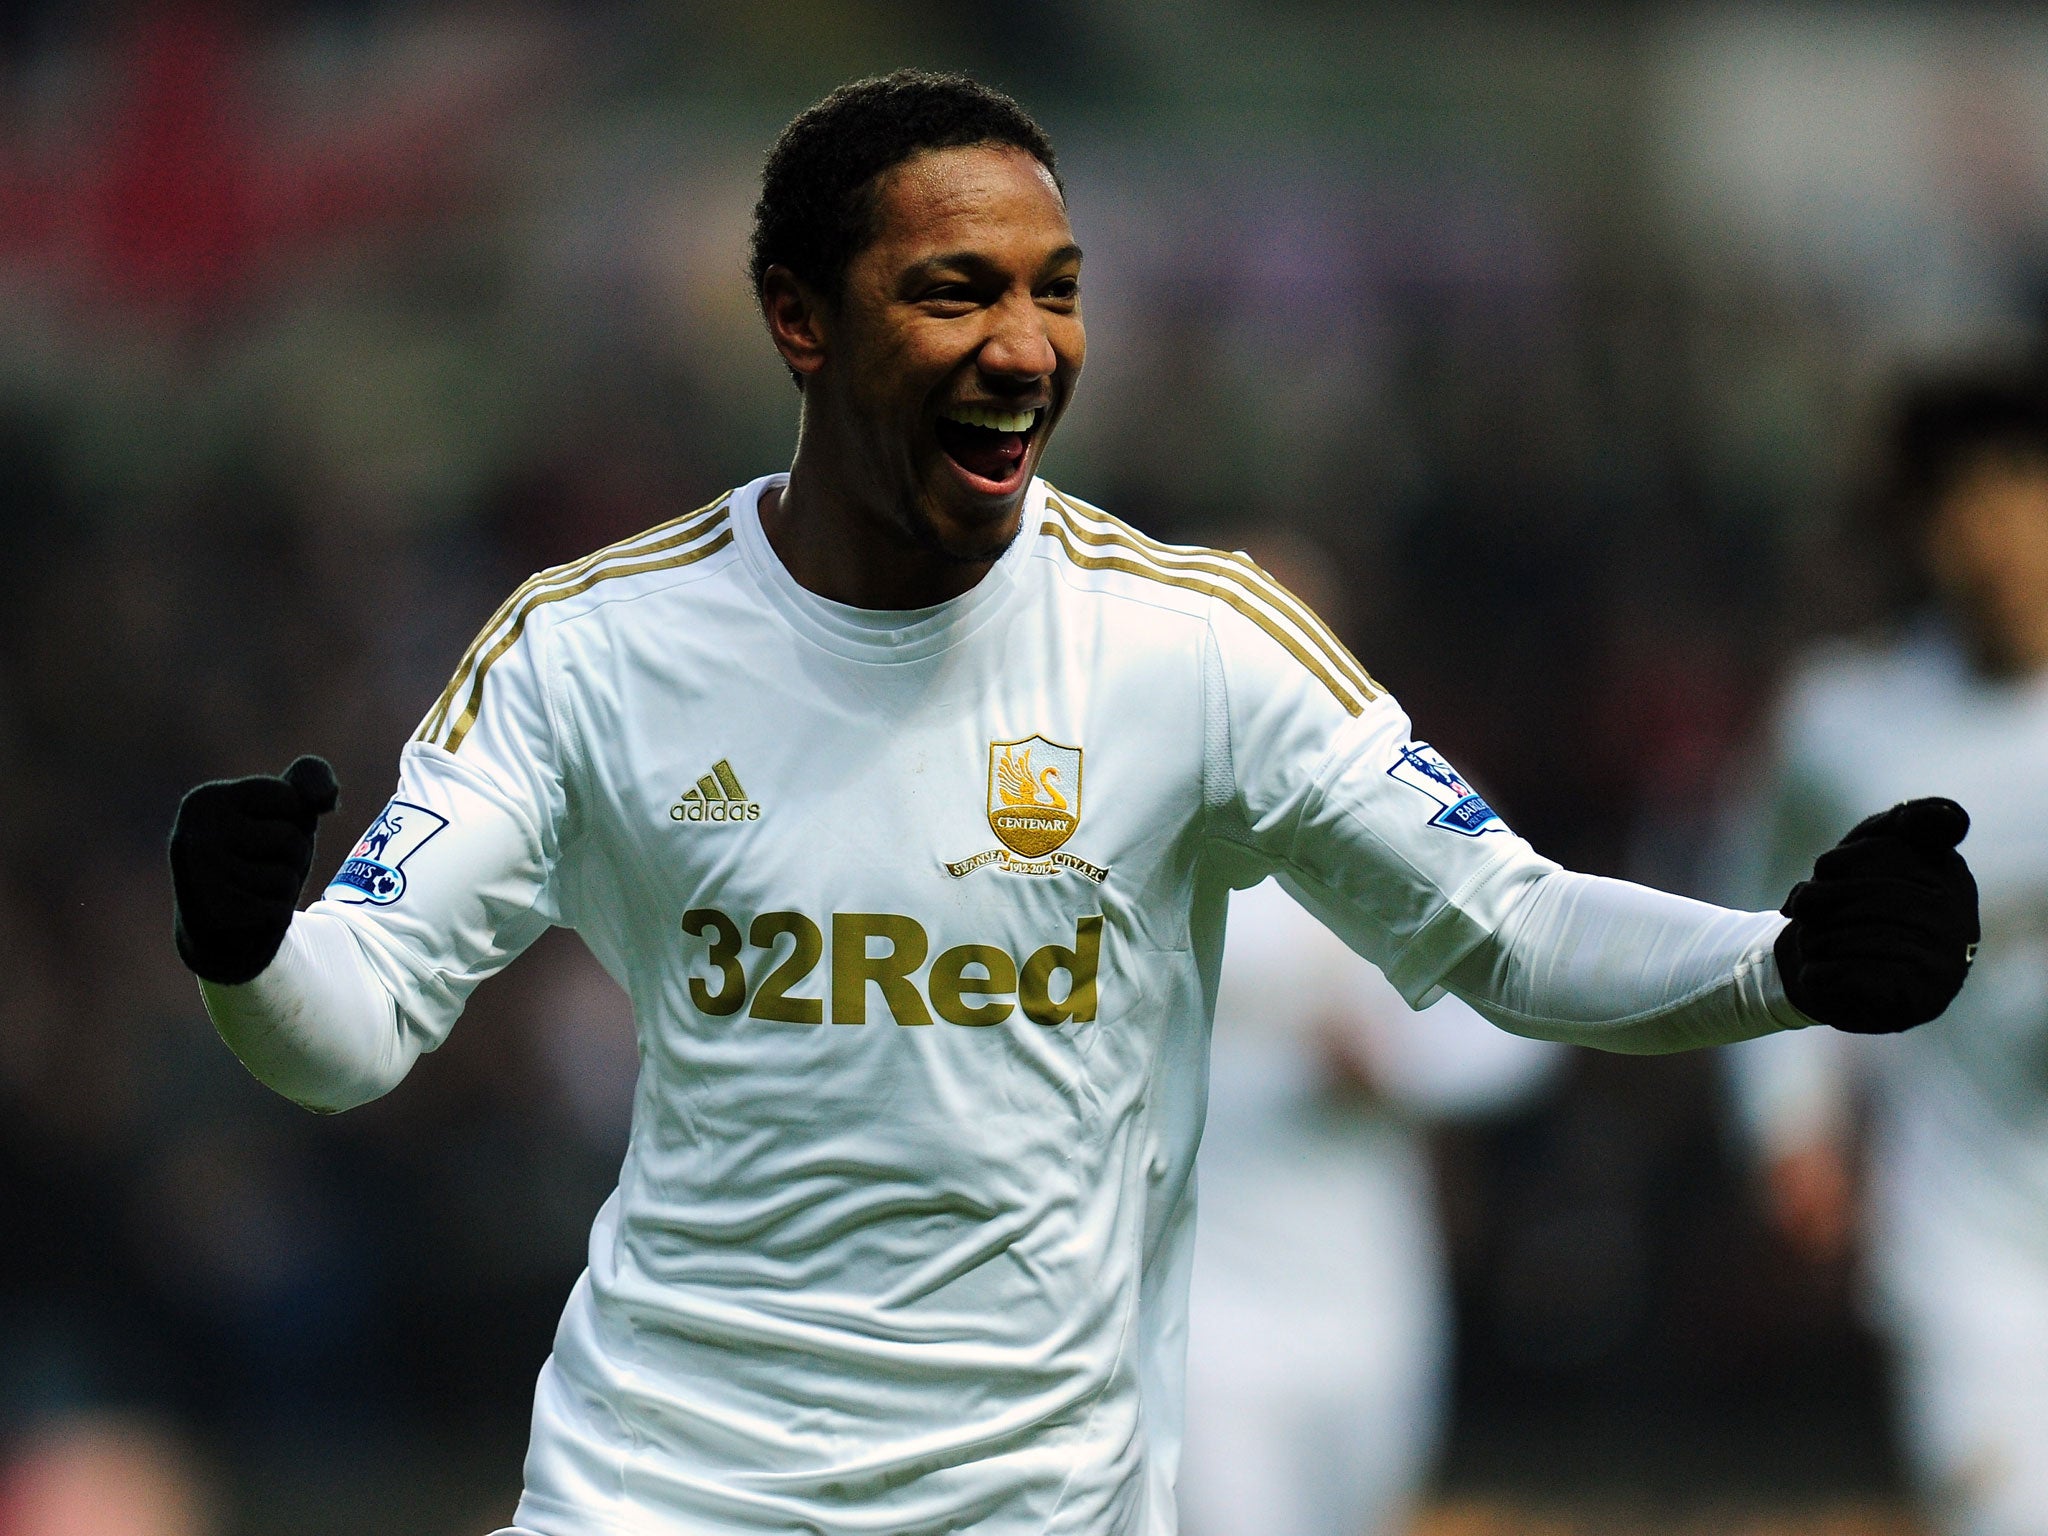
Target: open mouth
<point x="988" y="445"/>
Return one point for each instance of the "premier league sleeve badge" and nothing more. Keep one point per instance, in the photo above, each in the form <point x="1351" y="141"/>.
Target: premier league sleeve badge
<point x="1421" y="766"/>
<point x="374" y="871"/>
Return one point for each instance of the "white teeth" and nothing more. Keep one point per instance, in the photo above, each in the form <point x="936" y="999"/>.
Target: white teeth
<point x="995" y="421"/>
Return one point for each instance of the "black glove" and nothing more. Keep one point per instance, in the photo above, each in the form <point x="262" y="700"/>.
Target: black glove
<point x="1883" y="934"/>
<point x="240" y="850"/>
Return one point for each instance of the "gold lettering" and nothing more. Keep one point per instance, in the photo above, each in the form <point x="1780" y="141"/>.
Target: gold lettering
<point x="853" y="967"/>
<point x="773" y="1001"/>
<point x="724" y="953"/>
<point x="951" y="986"/>
<point x="1080" y="963"/>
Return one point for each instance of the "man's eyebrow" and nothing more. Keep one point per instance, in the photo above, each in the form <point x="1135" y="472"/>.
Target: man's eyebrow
<point x="974" y="261"/>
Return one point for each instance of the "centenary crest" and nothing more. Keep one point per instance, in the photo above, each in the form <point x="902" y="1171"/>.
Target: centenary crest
<point x="1034" y="794"/>
<point x="1034" y="806"/>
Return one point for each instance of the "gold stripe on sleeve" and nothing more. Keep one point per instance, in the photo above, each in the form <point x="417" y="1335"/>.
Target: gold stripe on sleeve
<point x="1240" y="571"/>
<point x="475" y="700"/>
<point x="1231" y="595"/>
<point x="1248" y="573"/>
<point x="649" y="542"/>
<point x="438" y="715"/>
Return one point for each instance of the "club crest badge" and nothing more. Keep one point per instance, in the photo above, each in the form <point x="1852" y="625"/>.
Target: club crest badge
<point x="1421" y="766"/>
<point x="1034" y="807"/>
<point x="374" y="871"/>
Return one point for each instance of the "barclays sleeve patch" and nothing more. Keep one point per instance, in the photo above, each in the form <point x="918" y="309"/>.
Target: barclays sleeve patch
<point x="1420" y="766"/>
<point x="374" y="871"/>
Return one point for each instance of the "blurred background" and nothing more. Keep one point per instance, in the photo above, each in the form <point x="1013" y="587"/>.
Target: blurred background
<point x="1557" y="331"/>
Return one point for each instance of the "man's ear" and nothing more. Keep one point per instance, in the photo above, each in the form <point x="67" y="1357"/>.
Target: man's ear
<point x="797" y="322"/>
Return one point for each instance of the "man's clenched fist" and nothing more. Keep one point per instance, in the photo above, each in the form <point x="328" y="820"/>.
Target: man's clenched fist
<point x="1883" y="934"/>
<point x="240" y="850"/>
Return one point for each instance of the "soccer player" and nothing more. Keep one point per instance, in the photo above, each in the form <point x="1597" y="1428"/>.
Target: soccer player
<point x="904" y="794"/>
<point x="1956" y="1204"/>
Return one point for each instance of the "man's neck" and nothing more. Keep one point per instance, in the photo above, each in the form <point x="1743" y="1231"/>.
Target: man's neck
<point x="847" y="552"/>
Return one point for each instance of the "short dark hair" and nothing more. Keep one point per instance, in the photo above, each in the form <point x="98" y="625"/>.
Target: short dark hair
<point x="1942" y="421"/>
<point x="817" y="203"/>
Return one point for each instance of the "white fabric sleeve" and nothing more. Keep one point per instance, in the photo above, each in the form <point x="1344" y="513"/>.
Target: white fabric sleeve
<point x="317" y="1025"/>
<point x="1288" y="981"/>
<point x="458" y="892"/>
<point x="1622" y="967"/>
<point x="1312" y="774"/>
<point x="452" y="880"/>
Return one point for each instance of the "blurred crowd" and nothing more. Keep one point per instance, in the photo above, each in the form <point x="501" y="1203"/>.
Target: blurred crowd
<point x="1553" y="339"/>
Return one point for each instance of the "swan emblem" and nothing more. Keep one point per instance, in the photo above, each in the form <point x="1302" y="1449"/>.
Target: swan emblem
<point x="1017" y="787"/>
<point x="1033" y="808"/>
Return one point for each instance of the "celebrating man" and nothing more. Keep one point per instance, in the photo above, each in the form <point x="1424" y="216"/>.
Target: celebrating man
<point x="904" y="795"/>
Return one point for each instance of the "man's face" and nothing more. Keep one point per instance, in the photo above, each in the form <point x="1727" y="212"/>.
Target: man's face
<point x="954" y="348"/>
<point x="1988" y="549"/>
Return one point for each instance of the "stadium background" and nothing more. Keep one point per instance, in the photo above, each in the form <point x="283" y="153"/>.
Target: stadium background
<point x="1557" y="331"/>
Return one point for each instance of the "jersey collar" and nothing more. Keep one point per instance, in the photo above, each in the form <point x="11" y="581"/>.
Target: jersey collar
<point x="881" y="635"/>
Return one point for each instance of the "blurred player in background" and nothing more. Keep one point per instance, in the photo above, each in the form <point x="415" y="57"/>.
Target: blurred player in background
<point x="1954" y="1203"/>
<point x="1319" y="1315"/>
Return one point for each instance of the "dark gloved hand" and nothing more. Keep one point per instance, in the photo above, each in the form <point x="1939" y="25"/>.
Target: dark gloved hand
<point x="1883" y="934"/>
<point x="240" y="851"/>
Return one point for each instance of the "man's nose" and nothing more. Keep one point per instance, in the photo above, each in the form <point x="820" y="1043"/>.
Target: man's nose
<point x="1018" y="346"/>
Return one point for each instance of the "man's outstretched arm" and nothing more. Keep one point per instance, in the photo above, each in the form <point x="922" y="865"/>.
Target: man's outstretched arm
<point x="1878" y="940"/>
<point x="332" y="1006"/>
<point x="452" y="879"/>
<point x="1380" y="836"/>
<point x="289" y="992"/>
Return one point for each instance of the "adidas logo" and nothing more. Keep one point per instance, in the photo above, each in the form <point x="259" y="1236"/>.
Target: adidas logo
<point x="717" y="797"/>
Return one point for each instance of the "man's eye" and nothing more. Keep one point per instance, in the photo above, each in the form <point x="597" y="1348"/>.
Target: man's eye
<point x="1066" y="288"/>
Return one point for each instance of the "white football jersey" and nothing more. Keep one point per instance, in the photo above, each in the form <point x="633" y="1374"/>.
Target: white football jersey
<point x="920" y="914"/>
